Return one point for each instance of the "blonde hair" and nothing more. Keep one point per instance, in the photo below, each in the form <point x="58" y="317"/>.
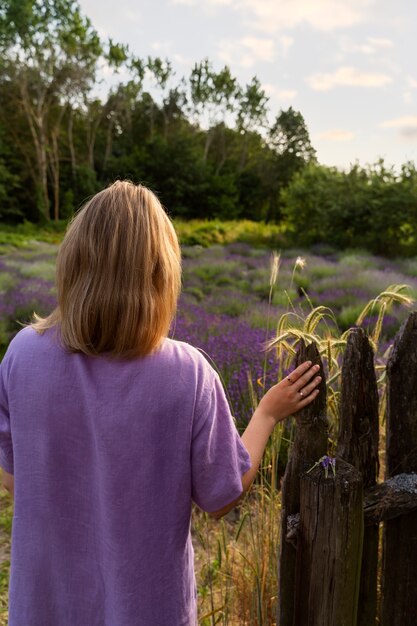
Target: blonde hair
<point x="118" y="275"/>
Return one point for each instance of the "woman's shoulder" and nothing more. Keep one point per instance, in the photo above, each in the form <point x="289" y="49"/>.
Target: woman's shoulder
<point x="186" y="351"/>
<point x="181" y="349"/>
<point x="24" y="337"/>
<point x="29" y="339"/>
<point x="183" y="355"/>
<point x="187" y="366"/>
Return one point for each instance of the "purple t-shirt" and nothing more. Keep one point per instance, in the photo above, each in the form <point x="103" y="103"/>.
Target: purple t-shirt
<point x="107" y="457"/>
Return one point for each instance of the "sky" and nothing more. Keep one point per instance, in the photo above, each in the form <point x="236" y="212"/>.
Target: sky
<point x="349" y="66"/>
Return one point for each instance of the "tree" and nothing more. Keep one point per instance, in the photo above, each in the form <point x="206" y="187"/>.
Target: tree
<point x="162" y="72"/>
<point x="174" y="105"/>
<point x="49" y="54"/>
<point x="9" y="189"/>
<point x="371" y="208"/>
<point x="118" y="113"/>
<point x="213" y="96"/>
<point x="251" y="116"/>
<point x="291" y="152"/>
<point x="307" y="204"/>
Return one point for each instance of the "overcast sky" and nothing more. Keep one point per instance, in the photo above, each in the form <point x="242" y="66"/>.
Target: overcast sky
<point x="349" y="66"/>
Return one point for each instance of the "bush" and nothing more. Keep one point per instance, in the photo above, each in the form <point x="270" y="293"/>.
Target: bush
<point x="373" y="208"/>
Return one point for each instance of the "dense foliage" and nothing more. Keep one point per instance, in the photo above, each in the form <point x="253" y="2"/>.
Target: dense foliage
<point x="205" y="143"/>
<point x="202" y="142"/>
<point x="373" y="208"/>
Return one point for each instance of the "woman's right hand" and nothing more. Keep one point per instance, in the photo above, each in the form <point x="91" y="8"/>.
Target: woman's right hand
<point x="292" y="393"/>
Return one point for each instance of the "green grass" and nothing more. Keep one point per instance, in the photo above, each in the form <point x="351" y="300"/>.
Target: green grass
<point x="194" y="232"/>
<point x="319" y="272"/>
<point x="6" y="282"/>
<point x="39" y="269"/>
<point x="211" y="232"/>
<point x="25" y="234"/>
<point x="348" y="316"/>
<point x="6" y="513"/>
<point x="220" y="274"/>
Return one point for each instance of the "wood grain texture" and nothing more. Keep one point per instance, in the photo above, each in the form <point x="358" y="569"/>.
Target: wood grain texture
<point x="399" y="568"/>
<point x="310" y="444"/>
<point x="329" y="548"/>
<point x="358" y="445"/>
<point x="387" y="501"/>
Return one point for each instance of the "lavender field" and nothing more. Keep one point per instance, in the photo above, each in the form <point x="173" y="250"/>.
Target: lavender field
<point x="232" y="301"/>
<point x="228" y="306"/>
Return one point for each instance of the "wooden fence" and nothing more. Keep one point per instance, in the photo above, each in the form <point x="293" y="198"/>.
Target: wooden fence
<point x="331" y="546"/>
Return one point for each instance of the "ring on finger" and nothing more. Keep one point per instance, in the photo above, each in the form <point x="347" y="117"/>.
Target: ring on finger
<point x="301" y="394"/>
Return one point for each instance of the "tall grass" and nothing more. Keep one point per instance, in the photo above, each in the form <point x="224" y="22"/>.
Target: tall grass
<point x="237" y="581"/>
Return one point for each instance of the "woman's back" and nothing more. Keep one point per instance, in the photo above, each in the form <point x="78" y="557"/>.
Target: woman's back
<point x="108" y="454"/>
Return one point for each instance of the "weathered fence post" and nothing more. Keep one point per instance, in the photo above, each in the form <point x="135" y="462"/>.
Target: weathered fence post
<point x="358" y="445"/>
<point x="309" y="445"/>
<point x="329" y="547"/>
<point x="399" y="572"/>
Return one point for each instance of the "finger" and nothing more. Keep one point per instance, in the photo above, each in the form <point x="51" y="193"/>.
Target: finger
<point x="306" y="377"/>
<point x="305" y="391"/>
<point x="305" y="401"/>
<point x="299" y="371"/>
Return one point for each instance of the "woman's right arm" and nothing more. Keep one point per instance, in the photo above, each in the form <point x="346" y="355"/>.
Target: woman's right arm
<point x="286" y="398"/>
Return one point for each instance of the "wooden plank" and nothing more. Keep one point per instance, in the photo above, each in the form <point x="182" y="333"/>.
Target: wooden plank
<point x="358" y="445"/>
<point x="310" y="444"/>
<point x="396" y="496"/>
<point x="399" y="569"/>
<point x="359" y="425"/>
<point x="329" y="551"/>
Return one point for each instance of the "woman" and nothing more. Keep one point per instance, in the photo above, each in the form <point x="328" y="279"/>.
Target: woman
<point x="109" y="430"/>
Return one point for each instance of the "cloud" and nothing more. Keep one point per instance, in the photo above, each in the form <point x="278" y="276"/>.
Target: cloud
<point x="324" y="15"/>
<point x="181" y="59"/>
<point x="162" y="47"/>
<point x="280" y="94"/>
<point x="193" y="3"/>
<point x="347" y="77"/>
<point x="247" y="51"/>
<point x="286" y="94"/>
<point x="165" y="49"/>
<point x="336" y="135"/>
<point x="132" y="15"/>
<point x="372" y="45"/>
<point x="272" y="16"/>
<point x="406" y="125"/>
<point x="285" y="42"/>
<point x="379" y="42"/>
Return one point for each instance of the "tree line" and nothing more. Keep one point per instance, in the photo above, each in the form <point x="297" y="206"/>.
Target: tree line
<point x="203" y="142"/>
<point x="372" y="207"/>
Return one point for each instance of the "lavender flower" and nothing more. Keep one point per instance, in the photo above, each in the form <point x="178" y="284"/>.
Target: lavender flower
<point x="326" y="462"/>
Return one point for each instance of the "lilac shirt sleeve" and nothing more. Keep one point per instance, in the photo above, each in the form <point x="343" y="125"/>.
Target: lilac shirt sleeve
<point x="218" y="457"/>
<point x="6" y="449"/>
